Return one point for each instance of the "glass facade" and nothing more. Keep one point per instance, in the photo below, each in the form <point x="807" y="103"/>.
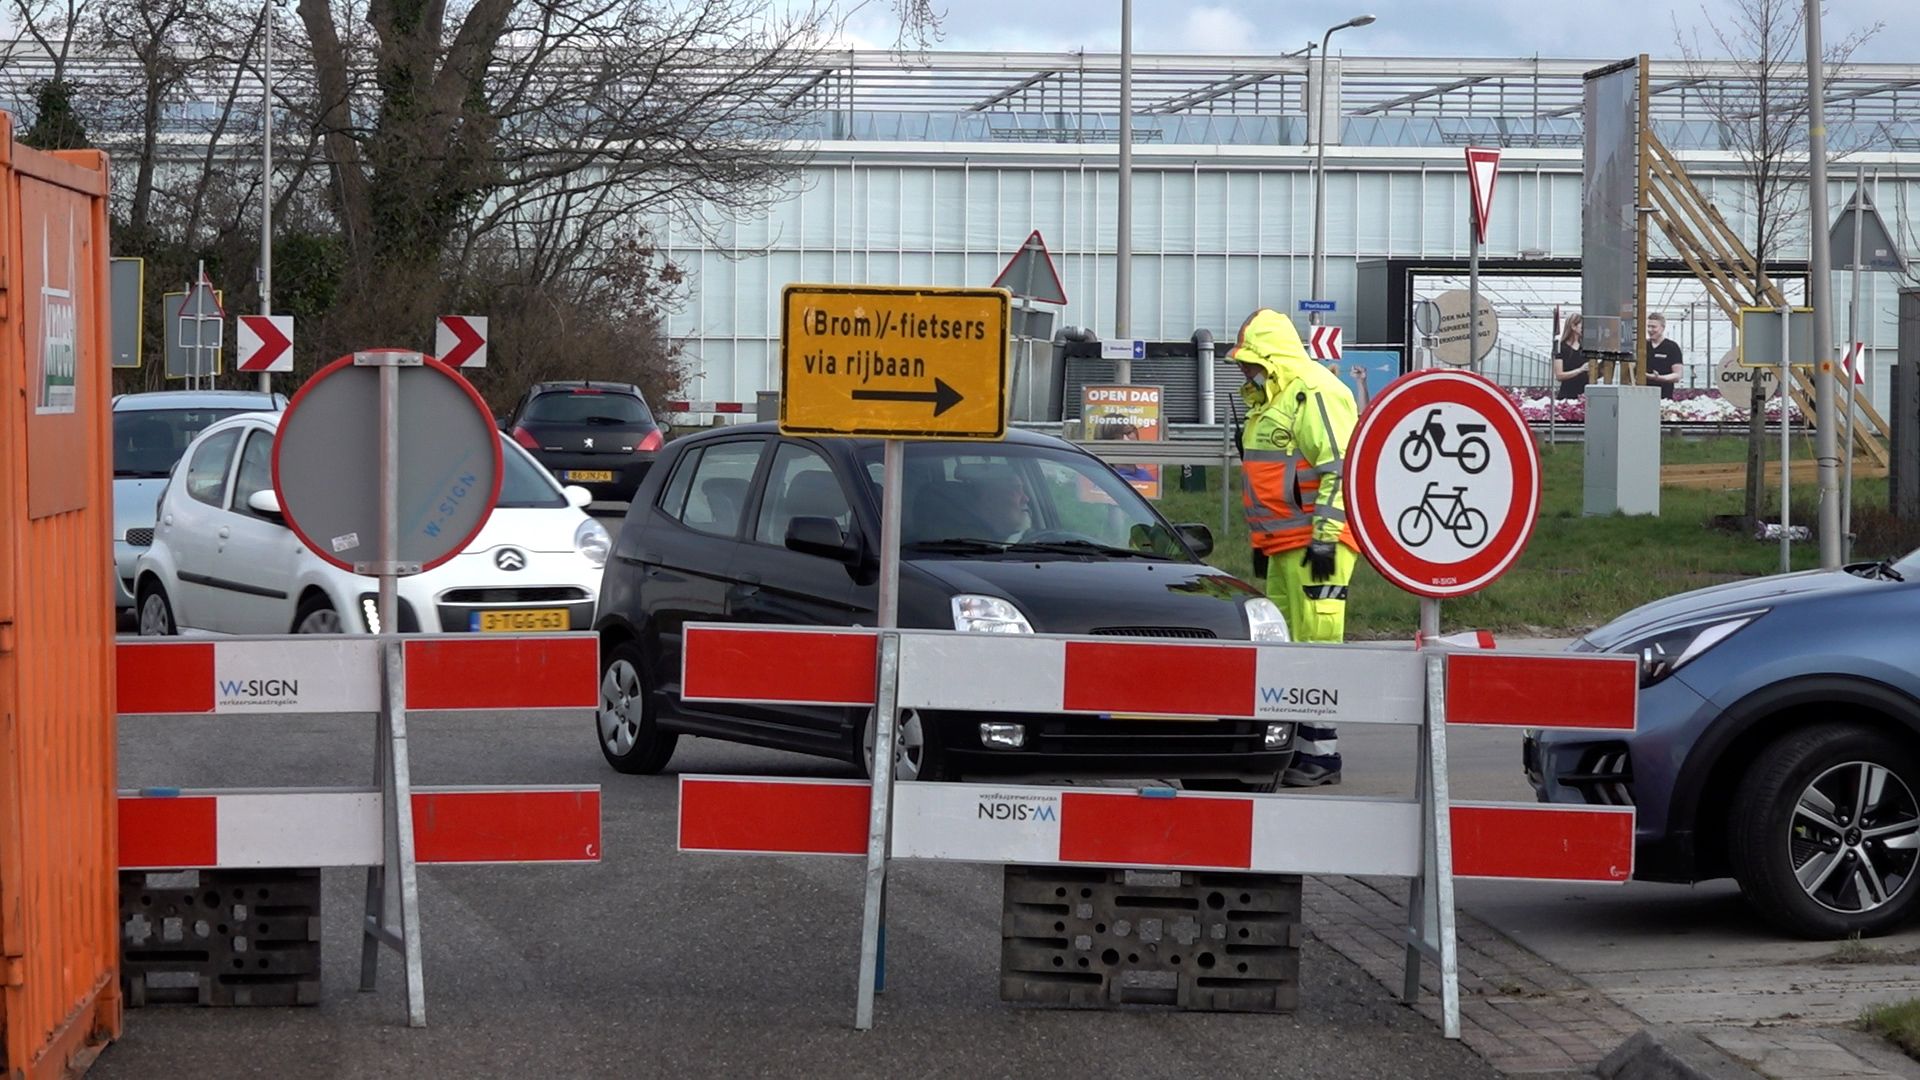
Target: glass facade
<point x="1214" y="237"/>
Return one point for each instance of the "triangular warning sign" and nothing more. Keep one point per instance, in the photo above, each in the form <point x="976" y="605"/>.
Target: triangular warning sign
<point x="1483" y="168"/>
<point x="1030" y="273"/>
<point x="1877" y="248"/>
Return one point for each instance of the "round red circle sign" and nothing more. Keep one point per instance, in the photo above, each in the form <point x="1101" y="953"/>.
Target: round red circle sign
<point x="1444" y="483"/>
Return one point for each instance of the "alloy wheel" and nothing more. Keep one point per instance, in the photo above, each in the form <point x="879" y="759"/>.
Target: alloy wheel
<point x="1855" y="837"/>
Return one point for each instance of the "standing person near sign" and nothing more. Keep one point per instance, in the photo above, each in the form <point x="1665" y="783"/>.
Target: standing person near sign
<point x="1664" y="365"/>
<point x="1570" y="364"/>
<point x="1300" y="417"/>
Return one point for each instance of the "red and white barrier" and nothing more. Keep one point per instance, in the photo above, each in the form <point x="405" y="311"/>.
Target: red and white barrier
<point x="328" y="674"/>
<point x="1427" y="838"/>
<point x="392" y="827"/>
<point x="253" y="830"/>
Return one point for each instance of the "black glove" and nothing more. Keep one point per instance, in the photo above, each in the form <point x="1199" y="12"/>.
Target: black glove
<point x="1319" y="556"/>
<point x="1259" y="565"/>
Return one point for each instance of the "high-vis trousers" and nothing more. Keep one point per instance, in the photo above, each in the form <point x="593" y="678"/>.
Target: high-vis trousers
<point x="1316" y="611"/>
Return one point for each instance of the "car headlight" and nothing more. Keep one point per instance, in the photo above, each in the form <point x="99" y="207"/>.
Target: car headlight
<point x="1264" y="621"/>
<point x="988" y="615"/>
<point x="591" y="540"/>
<point x="1666" y="651"/>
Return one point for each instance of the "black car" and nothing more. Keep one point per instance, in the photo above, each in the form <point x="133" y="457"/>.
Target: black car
<point x="1028" y="535"/>
<point x="599" y="435"/>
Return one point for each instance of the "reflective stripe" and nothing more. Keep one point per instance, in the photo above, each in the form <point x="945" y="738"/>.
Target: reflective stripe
<point x="1280" y="525"/>
<point x="1330" y="513"/>
<point x="1316" y="747"/>
<point x="1278" y="457"/>
<point x="1325" y="592"/>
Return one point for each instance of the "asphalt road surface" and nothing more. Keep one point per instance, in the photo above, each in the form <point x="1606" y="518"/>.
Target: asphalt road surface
<point x="654" y="963"/>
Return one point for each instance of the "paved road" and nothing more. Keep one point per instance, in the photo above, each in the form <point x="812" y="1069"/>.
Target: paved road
<point x="653" y="963"/>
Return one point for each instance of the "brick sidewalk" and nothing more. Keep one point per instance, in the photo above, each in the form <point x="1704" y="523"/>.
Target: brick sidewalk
<point x="1522" y="1014"/>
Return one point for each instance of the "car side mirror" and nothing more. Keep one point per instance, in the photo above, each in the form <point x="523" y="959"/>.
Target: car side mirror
<point x="577" y="496"/>
<point x="821" y="536"/>
<point x="666" y="429"/>
<point x="265" y="503"/>
<point x="504" y="423"/>
<point x="1198" y="537"/>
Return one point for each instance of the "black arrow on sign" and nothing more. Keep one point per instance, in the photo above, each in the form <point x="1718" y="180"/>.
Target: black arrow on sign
<point x="942" y="396"/>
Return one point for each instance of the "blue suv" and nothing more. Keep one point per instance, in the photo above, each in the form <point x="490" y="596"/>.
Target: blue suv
<point x="1778" y="743"/>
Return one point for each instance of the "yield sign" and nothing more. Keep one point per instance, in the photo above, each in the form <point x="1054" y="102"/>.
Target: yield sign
<point x="1483" y="167"/>
<point x="266" y="343"/>
<point x="461" y="340"/>
<point x="1030" y="273"/>
<point x="1324" y="342"/>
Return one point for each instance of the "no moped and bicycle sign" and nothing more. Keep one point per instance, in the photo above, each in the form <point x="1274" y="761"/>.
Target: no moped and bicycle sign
<point x="1445" y="483"/>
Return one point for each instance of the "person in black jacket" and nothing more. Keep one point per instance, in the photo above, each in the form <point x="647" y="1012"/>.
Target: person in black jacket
<point x="1569" y="363"/>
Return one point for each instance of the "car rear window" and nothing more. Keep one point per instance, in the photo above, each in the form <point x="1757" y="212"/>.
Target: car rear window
<point x="588" y="407"/>
<point x="147" y="442"/>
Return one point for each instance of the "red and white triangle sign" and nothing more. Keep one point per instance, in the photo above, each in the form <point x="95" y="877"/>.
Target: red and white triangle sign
<point x="1483" y="168"/>
<point x="1030" y="273"/>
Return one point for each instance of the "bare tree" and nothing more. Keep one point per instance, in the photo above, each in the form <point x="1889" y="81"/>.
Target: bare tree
<point x="1763" y="121"/>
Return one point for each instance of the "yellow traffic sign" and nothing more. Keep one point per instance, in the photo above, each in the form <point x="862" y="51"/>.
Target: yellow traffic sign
<point x="893" y="361"/>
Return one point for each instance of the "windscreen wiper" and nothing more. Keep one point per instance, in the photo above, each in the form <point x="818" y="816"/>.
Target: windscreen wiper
<point x="961" y="545"/>
<point x="1082" y="547"/>
<point x="1884" y="568"/>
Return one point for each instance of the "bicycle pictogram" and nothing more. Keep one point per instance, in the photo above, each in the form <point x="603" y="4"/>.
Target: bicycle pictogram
<point x="1448" y="511"/>
<point x="1417" y="450"/>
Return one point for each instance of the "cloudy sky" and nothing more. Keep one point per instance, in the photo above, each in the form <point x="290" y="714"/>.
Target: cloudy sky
<point x="1555" y="28"/>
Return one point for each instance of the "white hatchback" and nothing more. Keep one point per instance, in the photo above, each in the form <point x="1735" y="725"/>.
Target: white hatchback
<point x="224" y="561"/>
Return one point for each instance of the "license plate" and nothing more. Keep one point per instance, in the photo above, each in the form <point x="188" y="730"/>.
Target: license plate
<point x="520" y="620"/>
<point x="591" y="476"/>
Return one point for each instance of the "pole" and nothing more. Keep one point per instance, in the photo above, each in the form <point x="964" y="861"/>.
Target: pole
<point x="389" y="602"/>
<point x="1853" y="336"/>
<point x="266" y="175"/>
<point x="1473" y="296"/>
<point x="1320" y="176"/>
<point x="1123" y="233"/>
<point x="873" y="913"/>
<point x="1825" y="450"/>
<point x="1786" y="427"/>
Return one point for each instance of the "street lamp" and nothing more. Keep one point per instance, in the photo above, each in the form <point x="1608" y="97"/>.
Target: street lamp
<point x="1320" y="162"/>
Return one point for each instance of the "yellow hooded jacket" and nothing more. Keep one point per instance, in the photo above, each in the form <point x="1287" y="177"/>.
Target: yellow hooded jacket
<point x="1297" y="430"/>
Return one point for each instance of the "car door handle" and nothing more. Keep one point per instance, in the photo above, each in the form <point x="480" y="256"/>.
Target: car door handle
<point x="747" y="585"/>
<point x="225" y="532"/>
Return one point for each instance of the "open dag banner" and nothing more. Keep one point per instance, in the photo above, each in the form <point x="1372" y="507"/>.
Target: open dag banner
<point x="1125" y="413"/>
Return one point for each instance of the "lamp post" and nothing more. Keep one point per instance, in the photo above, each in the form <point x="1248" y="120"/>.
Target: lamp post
<point x="266" y="176"/>
<point x="1123" y="231"/>
<point x="1821" y="284"/>
<point x="1320" y="162"/>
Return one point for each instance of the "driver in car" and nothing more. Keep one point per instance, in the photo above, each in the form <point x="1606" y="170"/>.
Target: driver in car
<point x="1001" y="504"/>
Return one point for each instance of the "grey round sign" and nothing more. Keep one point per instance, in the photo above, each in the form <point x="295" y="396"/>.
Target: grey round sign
<point x="1426" y="317"/>
<point x="326" y="463"/>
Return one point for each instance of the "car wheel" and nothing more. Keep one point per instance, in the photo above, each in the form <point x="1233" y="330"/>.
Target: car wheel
<point x="1825" y="832"/>
<point x="317" y="616"/>
<point x="916" y="754"/>
<point x="630" y="735"/>
<point x="1265" y="785"/>
<point x="156" y="613"/>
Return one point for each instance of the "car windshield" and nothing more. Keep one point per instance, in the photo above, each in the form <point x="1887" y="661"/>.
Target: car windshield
<point x="525" y="485"/>
<point x="588" y="407"/>
<point x="965" y="498"/>
<point x="147" y="442"/>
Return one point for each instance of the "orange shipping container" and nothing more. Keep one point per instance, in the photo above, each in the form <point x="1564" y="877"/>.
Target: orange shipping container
<point x="59" y="939"/>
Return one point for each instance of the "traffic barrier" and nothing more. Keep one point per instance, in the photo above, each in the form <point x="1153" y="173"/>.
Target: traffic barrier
<point x="388" y="828"/>
<point x="1428" y="839"/>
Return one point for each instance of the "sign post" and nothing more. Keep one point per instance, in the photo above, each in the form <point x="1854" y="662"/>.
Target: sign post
<point x="433" y="455"/>
<point x="1483" y="168"/>
<point x="1862" y="233"/>
<point x="894" y="363"/>
<point x="202" y="330"/>
<point x="1793" y="348"/>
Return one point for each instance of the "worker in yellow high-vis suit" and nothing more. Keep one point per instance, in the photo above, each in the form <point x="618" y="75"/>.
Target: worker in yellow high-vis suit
<point x="1300" y="419"/>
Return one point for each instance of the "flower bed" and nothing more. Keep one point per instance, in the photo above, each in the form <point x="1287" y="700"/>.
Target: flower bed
<point x="1685" y="407"/>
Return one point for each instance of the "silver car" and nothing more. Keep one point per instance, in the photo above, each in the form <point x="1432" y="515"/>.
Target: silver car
<point x="150" y="432"/>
